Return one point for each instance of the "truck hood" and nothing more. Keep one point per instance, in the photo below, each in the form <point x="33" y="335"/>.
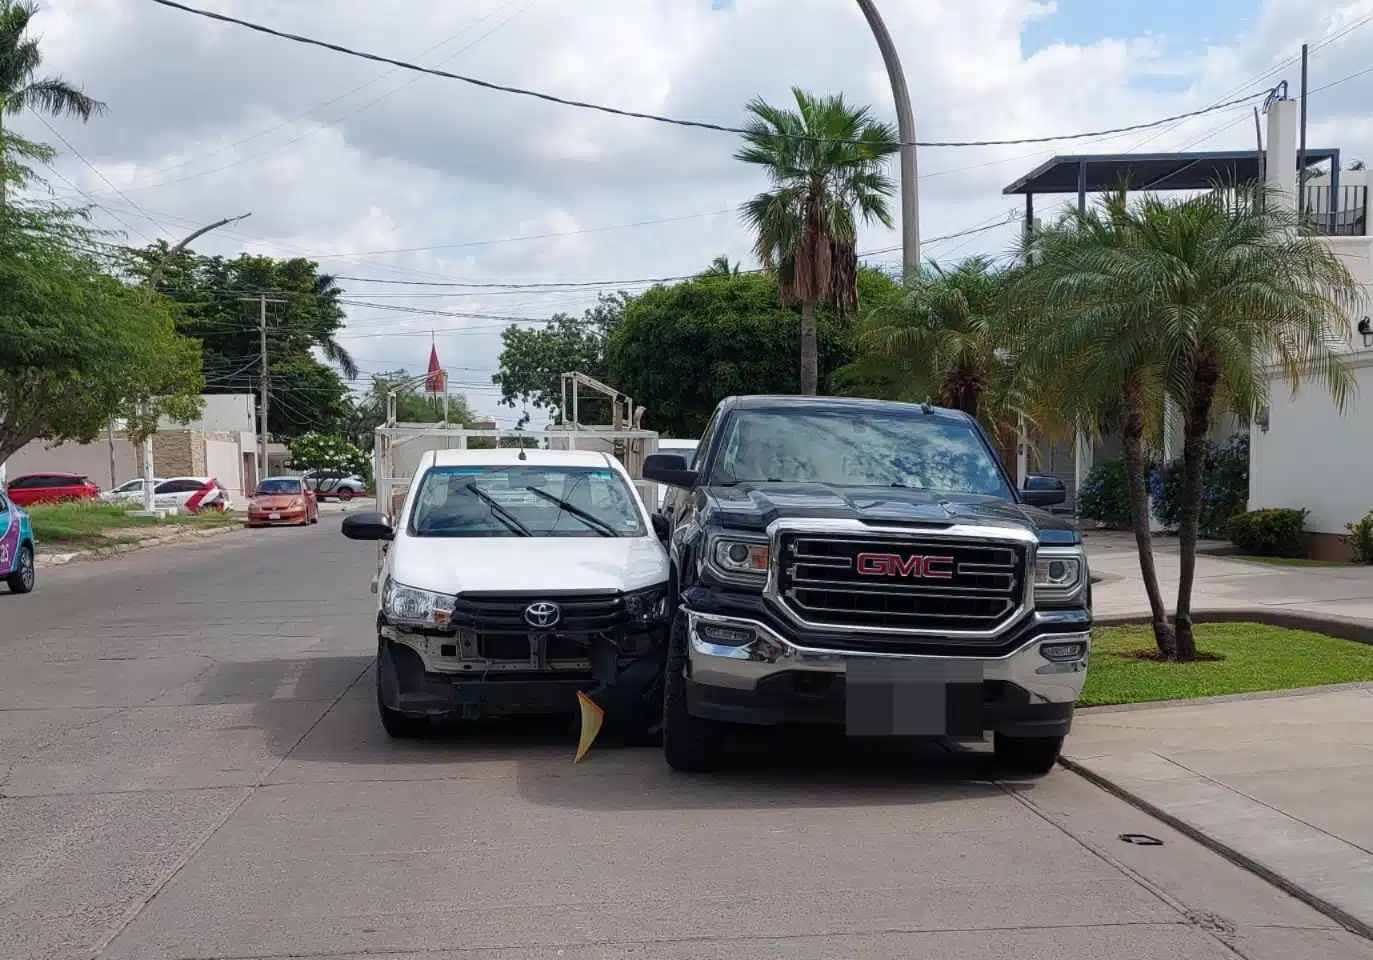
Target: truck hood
<point x="528" y="564"/>
<point x="752" y="506"/>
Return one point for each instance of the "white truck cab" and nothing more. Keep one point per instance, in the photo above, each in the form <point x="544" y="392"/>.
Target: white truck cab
<point x="510" y="581"/>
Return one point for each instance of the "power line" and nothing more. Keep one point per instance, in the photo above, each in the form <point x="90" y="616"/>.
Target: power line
<point x="53" y="130"/>
<point x="657" y="118"/>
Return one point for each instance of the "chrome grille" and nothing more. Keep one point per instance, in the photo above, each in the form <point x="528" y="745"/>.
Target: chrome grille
<point x="926" y="584"/>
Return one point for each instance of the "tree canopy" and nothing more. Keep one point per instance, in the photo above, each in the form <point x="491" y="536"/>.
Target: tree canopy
<point x="683" y="348"/>
<point x="215" y="305"/>
<point x="80" y="345"/>
<point x="533" y="361"/>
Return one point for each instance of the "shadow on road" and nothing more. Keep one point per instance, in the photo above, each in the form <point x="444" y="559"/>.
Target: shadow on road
<point x="766" y="767"/>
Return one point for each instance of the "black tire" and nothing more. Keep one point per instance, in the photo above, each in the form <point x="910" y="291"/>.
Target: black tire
<point x="396" y="724"/>
<point x="1032" y="756"/>
<point x="345" y="494"/>
<point x="24" y="576"/>
<point x="690" y="744"/>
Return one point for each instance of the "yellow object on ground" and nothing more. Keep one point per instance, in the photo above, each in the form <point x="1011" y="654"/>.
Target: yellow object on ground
<point x="592" y="718"/>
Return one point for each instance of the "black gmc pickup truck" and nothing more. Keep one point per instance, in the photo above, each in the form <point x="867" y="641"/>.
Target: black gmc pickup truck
<point x="871" y="565"/>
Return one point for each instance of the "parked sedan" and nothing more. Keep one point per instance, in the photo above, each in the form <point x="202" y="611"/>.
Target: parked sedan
<point x="192" y="494"/>
<point x="335" y="483"/>
<point x="51" y="488"/>
<point x="132" y="491"/>
<point x="282" y="501"/>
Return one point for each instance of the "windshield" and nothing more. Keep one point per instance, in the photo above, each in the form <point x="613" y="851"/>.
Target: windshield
<point x="271" y="488"/>
<point x="504" y="505"/>
<point x="865" y="448"/>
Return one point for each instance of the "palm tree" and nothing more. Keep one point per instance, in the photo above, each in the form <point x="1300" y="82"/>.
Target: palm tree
<point x="954" y="333"/>
<point x="824" y="160"/>
<point x="20" y="59"/>
<point x="721" y="267"/>
<point x="326" y="288"/>
<point x="1241" y="287"/>
<point x="1091" y="343"/>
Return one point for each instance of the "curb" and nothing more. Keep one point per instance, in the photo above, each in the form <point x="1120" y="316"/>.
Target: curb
<point x="1351" y="923"/>
<point x="104" y="553"/>
<point x="1342" y="628"/>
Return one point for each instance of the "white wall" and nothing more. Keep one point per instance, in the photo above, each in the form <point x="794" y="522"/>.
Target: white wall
<point x="229" y="412"/>
<point x="1311" y="457"/>
<point x="224" y="462"/>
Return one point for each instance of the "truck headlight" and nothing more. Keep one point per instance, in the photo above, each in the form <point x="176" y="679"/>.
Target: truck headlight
<point x="410" y="606"/>
<point x="647" y="606"/>
<point x="1060" y="574"/>
<point x="740" y="560"/>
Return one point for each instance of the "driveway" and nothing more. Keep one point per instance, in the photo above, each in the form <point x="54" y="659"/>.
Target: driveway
<point x="191" y="767"/>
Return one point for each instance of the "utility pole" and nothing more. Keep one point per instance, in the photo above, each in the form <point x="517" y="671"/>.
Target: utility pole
<point x="262" y="302"/>
<point x="905" y="125"/>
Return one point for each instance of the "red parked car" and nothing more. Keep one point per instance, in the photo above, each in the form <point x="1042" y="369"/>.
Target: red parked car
<point x="51" y="488"/>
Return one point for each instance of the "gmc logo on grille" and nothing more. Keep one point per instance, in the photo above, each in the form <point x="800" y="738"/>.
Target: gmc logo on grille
<point x="895" y="565"/>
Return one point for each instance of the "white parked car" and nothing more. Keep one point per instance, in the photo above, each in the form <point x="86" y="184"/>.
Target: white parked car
<point x="130" y="491"/>
<point x="513" y="580"/>
<point x="335" y="484"/>
<point x="192" y="494"/>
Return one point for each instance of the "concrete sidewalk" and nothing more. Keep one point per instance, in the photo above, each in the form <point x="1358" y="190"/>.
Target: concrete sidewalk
<point x="1224" y="584"/>
<point x="1280" y="784"/>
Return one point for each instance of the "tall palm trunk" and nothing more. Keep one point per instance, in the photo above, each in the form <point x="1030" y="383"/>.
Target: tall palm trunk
<point x="1132" y="444"/>
<point x="1195" y="428"/>
<point x="810" y="361"/>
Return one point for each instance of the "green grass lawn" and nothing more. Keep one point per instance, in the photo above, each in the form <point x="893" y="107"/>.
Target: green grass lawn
<point x="88" y="525"/>
<point x="1256" y="657"/>
<point x="1289" y="561"/>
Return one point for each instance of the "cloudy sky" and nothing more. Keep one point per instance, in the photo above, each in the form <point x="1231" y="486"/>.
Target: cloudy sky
<point x="388" y="175"/>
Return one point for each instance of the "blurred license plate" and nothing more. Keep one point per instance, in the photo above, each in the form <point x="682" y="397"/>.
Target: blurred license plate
<point x="896" y="698"/>
<point x="273" y="516"/>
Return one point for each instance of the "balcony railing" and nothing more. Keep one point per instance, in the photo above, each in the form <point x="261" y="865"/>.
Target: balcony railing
<point x="1347" y="216"/>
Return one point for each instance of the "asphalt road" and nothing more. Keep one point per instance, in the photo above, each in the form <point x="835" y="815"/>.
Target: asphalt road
<point x="192" y="768"/>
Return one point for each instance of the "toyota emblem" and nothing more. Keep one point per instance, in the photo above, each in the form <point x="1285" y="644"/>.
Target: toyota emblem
<point x="543" y="614"/>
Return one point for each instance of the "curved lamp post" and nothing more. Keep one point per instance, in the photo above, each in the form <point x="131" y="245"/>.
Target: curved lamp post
<point x="151" y="287"/>
<point x="905" y="125"/>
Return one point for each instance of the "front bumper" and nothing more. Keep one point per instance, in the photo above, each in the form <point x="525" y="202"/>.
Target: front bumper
<point x="772" y="679"/>
<point x="283" y="518"/>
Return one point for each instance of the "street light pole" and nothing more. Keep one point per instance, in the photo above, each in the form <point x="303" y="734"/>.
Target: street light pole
<point x="905" y="125"/>
<point x="149" y="289"/>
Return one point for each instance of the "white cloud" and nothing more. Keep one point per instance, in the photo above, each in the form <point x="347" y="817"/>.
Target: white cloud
<point x="326" y="170"/>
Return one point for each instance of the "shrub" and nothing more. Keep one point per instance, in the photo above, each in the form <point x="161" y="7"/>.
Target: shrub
<point x="1361" y="538"/>
<point x="1225" y="489"/>
<point x="1105" y="496"/>
<point x="1270" y="533"/>
<point x="317" y="451"/>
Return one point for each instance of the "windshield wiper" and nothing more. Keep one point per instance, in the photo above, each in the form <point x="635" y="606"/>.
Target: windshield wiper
<point x="498" y="511"/>
<point x="592" y="521"/>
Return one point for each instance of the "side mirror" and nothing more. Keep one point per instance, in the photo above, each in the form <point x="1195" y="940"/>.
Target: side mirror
<point x="1044" y="491"/>
<point x="367" y="526"/>
<point x="670" y="469"/>
<point x="662" y="527"/>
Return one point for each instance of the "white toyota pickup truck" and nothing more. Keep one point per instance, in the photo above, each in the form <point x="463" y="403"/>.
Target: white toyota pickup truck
<point x="512" y="580"/>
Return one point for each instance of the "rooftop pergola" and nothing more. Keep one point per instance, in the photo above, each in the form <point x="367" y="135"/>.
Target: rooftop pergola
<point x="1097" y="173"/>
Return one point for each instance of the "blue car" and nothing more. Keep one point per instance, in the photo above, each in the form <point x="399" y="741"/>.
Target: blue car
<point x="16" y="547"/>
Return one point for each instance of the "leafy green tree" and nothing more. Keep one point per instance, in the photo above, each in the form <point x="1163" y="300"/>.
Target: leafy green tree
<point x="20" y="87"/>
<point x="826" y="161"/>
<point x="210" y="292"/>
<point x="683" y="348"/>
<point x="533" y="361"/>
<point x="79" y="345"/>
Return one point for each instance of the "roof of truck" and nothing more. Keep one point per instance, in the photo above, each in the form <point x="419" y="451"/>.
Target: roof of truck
<point x="533" y="458"/>
<point x="794" y="402"/>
